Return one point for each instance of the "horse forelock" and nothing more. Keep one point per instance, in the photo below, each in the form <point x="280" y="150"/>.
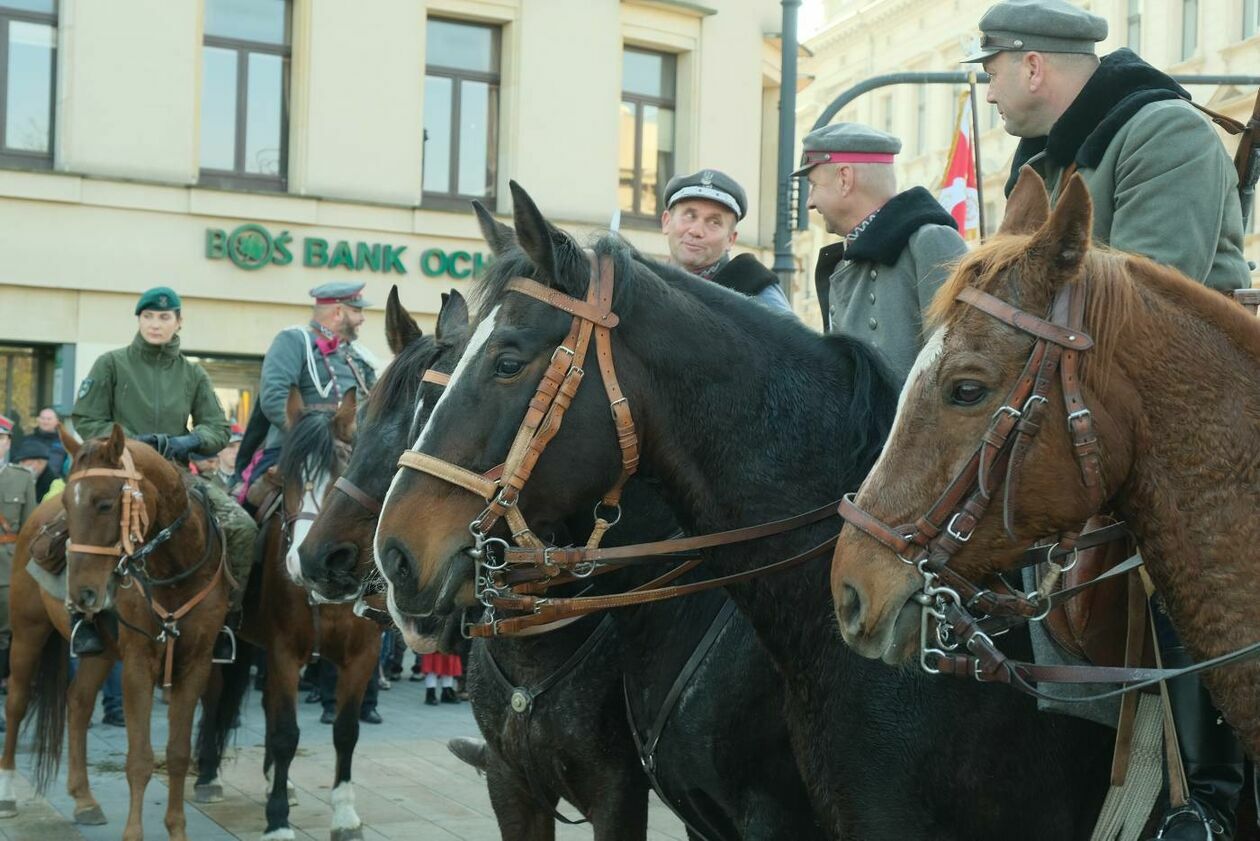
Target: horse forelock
<point x="400" y="382"/>
<point x="309" y="447"/>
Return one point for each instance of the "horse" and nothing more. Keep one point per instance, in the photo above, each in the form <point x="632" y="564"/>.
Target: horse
<point x="1170" y="384"/>
<point x="742" y="417"/>
<point x="291" y="626"/>
<point x="143" y="547"/>
<point x="749" y="789"/>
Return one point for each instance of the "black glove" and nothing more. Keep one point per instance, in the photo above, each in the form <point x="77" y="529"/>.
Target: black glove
<point x="179" y="446"/>
<point x="157" y="442"/>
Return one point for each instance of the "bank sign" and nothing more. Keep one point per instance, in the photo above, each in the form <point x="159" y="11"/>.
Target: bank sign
<point x="252" y="247"/>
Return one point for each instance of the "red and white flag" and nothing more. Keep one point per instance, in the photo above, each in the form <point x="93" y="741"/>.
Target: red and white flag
<point x="958" y="186"/>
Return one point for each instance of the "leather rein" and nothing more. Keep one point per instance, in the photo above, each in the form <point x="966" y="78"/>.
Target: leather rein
<point x="950" y="603"/>
<point x="513" y="580"/>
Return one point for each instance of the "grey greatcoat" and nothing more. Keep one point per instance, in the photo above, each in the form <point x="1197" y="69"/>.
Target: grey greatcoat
<point x="875" y="288"/>
<point x="1161" y="182"/>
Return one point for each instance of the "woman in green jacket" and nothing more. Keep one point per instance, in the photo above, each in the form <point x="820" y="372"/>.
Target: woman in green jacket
<point x="151" y="389"/>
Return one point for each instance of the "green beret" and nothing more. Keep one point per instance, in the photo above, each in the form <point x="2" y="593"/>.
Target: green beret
<point x="1044" y="26"/>
<point x="841" y="143"/>
<point x="711" y="184"/>
<point x="161" y="298"/>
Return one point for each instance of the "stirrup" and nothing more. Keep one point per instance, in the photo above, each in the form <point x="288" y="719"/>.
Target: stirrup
<point x="1194" y="812"/>
<point x="74" y="631"/>
<point x="231" y="635"/>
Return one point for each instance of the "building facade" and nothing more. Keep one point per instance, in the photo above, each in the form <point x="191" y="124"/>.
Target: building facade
<point x="865" y="38"/>
<point x="245" y="151"/>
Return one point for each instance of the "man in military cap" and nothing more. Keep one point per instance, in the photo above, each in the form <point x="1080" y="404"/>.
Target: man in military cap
<point x="1161" y="181"/>
<point x="1162" y="186"/>
<point x="897" y="250"/>
<point x="320" y="358"/>
<point x="17" y="501"/>
<point x="701" y="213"/>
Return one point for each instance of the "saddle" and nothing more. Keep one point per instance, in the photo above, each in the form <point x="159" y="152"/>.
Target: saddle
<point x="264" y="494"/>
<point x="48" y="547"/>
<point x="1092" y="626"/>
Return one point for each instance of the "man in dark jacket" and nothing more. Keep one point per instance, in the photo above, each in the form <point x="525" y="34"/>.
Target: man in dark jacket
<point x="702" y="211"/>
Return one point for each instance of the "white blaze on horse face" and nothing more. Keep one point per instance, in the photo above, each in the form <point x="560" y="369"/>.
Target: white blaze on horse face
<point x="301" y="528"/>
<point x="923" y="372"/>
<point x="475" y="345"/>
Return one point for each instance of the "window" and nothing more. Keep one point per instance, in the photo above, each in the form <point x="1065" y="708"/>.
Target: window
<point x="1134" y="21"/>
<point x="461" y="112"/>
<point x="245" y="94"/>
<point x="1189" y="28"/>
<point x="1251" y="18"/>
<point x="647" y="130"/>
<point x="28" y="62"/>
<point x="920" y="128"/>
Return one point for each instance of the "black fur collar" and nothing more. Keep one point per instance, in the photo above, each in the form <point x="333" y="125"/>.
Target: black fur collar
<point x="745" y="274"/>
<point x="1122" y="85"/>
<point x="886" y="237"/>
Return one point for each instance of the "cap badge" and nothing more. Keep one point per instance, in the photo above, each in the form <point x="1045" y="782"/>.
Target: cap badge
<point x="706" y="178"/>
<point x="163" y="301"/>
<point x="1018" y="43"/>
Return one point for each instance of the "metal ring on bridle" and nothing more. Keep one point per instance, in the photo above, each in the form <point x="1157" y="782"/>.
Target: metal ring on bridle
<point x="614" y="521"/>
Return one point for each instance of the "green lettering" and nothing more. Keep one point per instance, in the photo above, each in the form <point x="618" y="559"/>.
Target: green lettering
<point x="281" y="255"/>
<point x="457" y="257"/>
<point x="342" y="256"/>
<point x="216" y="243"/>
<point x="427" y="264"/>
<point x="392" y="259"/>
<point x="315" y="252"/>
<point x="368" y="254"/>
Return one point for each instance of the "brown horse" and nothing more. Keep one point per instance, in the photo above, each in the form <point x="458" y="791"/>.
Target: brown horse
<point x="283" y="618"/>
<point x="1173" y="389"/>
<point x="143" y="546"/>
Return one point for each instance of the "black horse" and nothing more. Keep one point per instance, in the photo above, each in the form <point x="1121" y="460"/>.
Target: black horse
<point x="744" y="419"/>
<point x="571" y="740"/>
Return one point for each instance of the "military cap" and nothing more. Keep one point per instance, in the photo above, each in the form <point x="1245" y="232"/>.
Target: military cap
<point x="711" y="184"/>
<point x="1044" y="26"/>
<point x="340" y="292"/>
<point x="6" y="426"/>
<point x="161" y="298"/>
<point x="31" y="447"/>
<point x="846" y="143"/>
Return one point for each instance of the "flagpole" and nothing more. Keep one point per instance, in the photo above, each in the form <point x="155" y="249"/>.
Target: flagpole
<point x="975" y="149"/>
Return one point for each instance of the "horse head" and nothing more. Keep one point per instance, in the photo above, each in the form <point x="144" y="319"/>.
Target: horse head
<point x="958" y="386"/>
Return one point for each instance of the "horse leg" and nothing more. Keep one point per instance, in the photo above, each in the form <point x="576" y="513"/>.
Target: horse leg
<point x="138" y="670"/>
<point x="207" y="788"/>
<point x="621" y="813"/>
<point x="24" y="655"/>
<point x="280" y="701"/>
<point x="185" y="693"/>
<point x="87" y="682"/>
<point x="520" y="816"/>
<point x="352" y="680"/>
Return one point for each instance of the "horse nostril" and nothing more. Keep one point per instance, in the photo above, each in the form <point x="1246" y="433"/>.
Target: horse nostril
<point x="850" y="609"/>
<point x="343" y="558"/>
<point x="87" y="597"/>
<point x="396" y="566"/>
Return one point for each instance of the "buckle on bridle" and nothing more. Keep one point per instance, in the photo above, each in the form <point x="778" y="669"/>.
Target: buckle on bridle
<point x="952" y="531"/>
<point x="1079" y="413"/>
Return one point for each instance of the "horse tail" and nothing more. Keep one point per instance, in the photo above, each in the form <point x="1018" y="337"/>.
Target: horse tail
<point x="218" y="724"/>
<point x="48" y="693"/>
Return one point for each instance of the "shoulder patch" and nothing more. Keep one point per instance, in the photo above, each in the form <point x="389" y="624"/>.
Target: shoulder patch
<point x="85" y="387"/>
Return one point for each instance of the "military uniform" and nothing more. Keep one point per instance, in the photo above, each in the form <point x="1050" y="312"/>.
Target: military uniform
<point x="17" y="501"/>
<point x="874" y="285"/>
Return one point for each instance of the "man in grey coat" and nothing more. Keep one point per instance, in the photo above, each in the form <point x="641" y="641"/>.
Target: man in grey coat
<point x="898" y="248"/>
<point x="1164" y="187"/>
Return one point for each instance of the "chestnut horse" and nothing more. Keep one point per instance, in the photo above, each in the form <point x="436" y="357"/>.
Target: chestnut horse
<point x="141" y="542"/>
<point x="1172" y="384"/>
<point x="282" y="617"/>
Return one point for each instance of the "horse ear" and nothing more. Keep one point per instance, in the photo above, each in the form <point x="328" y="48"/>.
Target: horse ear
<point x="498" y="236"/>
<point x="116" y="445"/>
<point x="1028" y="205"/>
<point x="400" y="328"/>
<point x="453" y="316"/>
<point x="1063" y="240"/>
<point x="293" y="407"/>
<point x="533" y="232"/>
<point x="344" y="419"/>
<point x="68" y="441"/>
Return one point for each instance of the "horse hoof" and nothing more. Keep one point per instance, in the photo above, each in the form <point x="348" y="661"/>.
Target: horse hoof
<point x="8" y="808"/>
<point x="284" y="833"/>
<point x="91" y="816"/>
<point x="293" y="798"/>
<point x="208" y="793"/>
<point x="355" y="834"/>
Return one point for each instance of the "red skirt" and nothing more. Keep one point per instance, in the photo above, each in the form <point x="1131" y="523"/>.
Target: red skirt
<point x="442" y="665"/>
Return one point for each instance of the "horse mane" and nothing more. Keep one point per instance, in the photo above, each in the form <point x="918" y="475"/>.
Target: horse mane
<point x="399" y="384"/>
<point x="309" y="447"/>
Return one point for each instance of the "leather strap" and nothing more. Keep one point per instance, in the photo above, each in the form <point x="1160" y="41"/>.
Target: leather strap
<point x="1026" y="322"/>
<point x="133" y="521"/>
<point x="356" y="493"/>
<point x="584" y="310"/>
<point x="435" y="377"/>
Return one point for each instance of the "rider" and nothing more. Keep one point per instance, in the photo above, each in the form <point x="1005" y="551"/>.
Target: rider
<point x="897" y="250"/>
<point x="17" y="501"/>
<point x="151" y="389"/>
<point x="701" y="213"/>
<point x="1162" y="186"/>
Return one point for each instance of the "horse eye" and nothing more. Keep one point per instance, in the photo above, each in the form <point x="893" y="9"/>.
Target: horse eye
<point x="506" y="366"/>
<point x="967" y="393"/>
<point x="105" y="505"/>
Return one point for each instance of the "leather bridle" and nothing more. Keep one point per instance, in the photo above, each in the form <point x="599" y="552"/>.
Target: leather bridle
<point x="133" y="522"/>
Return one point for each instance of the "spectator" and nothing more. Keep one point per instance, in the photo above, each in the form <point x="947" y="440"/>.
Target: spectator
<point x="33" y="454"/>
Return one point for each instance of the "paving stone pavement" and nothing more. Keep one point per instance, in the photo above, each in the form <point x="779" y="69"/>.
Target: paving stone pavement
<point x="407" y="785"/>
